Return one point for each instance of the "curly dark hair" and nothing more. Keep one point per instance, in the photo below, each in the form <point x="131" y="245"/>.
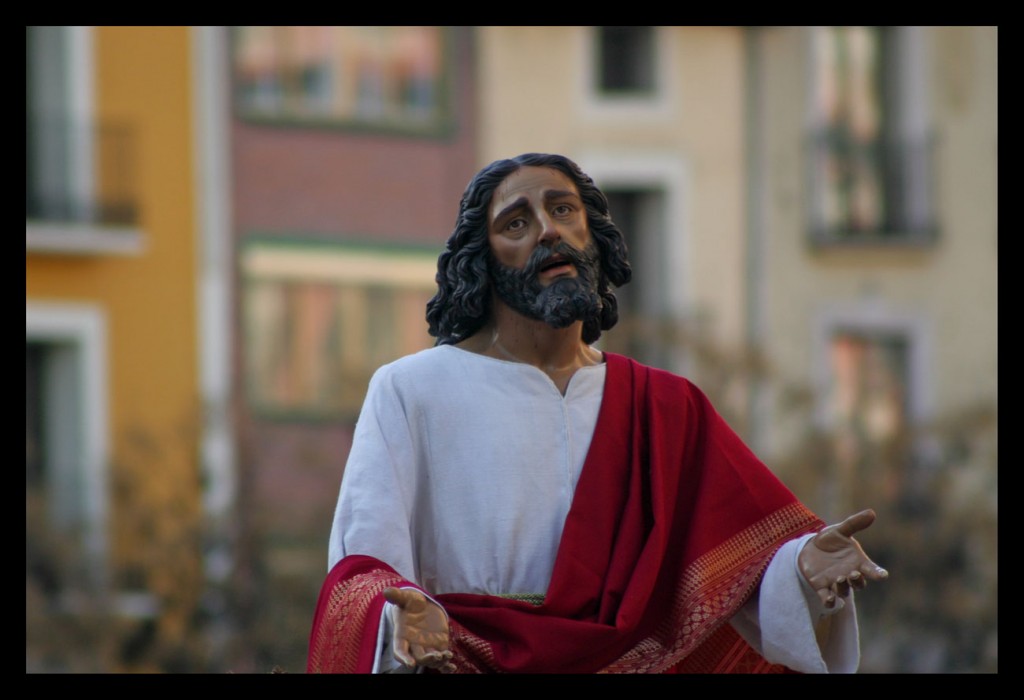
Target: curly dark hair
<point x="463" y="301"/>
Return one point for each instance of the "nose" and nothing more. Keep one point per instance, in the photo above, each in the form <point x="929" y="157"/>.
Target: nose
<point x="549" y="235"/>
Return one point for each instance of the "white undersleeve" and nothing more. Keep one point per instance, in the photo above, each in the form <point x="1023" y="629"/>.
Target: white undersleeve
<point x="787" y="623"/>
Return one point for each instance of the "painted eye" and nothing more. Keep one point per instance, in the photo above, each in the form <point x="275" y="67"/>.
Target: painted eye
<point x="515" y="225"/>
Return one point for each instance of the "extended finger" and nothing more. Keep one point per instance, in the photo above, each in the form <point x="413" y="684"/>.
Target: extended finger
<point x="422" y="656"/>
<point x="400" y="649"/>
<point x="873" y="571"/>
<point x="856" y="522"/>
<point x="432" y="658"/>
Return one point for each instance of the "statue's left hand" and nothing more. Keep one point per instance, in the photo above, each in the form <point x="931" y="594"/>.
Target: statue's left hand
<point x="834" y="563"/>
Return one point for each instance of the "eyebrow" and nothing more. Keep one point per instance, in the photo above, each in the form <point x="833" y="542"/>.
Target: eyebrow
<point x="521" y="201"/>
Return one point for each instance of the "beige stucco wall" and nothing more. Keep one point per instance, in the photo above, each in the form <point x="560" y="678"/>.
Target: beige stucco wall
<point x="533" y="97"/>
<point x="964" y="282"/>
<point x="949" y="288"/>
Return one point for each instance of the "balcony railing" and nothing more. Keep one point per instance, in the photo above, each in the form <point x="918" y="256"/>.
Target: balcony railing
<point x="81" y="174"/>
<point x="874" y="193"/>
<point x="81" y="194"/>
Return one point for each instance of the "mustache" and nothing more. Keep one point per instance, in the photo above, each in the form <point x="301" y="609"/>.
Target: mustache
<point x="540" y="256"/>
<point x="562" y="302"/>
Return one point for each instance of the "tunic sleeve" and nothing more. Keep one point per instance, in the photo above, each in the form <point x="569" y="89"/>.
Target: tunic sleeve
<point x="374" y="509"/>
<point x="375" y="505"/>
<point x="788" y="624"/>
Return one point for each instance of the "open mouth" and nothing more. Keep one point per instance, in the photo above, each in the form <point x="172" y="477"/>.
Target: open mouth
<point x="556" y="263"/>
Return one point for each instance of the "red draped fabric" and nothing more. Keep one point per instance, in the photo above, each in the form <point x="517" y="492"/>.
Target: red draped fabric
<point x="672" y="525"/>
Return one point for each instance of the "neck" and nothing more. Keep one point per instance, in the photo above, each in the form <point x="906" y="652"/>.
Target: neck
<point x="558" y="352"/>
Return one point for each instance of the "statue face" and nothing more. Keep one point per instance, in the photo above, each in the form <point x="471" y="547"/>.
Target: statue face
<point x="534" y="207"/>
<point x="543" y="263"/>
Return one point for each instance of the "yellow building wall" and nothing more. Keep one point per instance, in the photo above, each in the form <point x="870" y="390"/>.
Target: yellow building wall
<point x="142" y="81"/>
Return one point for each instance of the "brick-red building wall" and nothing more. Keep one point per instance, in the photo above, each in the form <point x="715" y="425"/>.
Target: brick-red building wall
<point x="332" y="184"/>
<point x="355" y="184"/>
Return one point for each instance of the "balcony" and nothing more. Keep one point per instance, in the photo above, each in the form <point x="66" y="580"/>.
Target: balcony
<point x="81" y="193"/>
<point x="871" y="194"/>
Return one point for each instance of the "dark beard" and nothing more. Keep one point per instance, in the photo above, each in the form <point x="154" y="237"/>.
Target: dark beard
<point x="564" y="301"/>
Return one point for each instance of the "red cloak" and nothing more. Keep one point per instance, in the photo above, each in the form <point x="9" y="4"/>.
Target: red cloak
<point x="673" y="522"/>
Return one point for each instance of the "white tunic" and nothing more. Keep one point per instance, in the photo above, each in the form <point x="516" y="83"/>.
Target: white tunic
<point x="461" y="475"/>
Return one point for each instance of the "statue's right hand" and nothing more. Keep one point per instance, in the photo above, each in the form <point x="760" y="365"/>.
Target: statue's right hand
<point x="421" y="630"/>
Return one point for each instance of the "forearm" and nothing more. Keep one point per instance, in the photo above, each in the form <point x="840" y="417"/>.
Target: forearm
<point x="787" y="623"/>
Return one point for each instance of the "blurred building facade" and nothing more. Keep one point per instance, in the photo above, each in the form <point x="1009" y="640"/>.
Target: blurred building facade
<point x="781" y="183"/>
<point x="116" y="403"/>
<point x="655" y="116"/>
<point x="350" y="148"/>
<point x="874" y="197"/>
<point x="873" y="230"/>
<point x="811" y="216"/>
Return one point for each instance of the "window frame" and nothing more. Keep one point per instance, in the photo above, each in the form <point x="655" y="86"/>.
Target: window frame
<point x="906" y="146"/>
<point x="443" y="125"/>
<point x="72" y="101"/>
<point x="669" y="176"/>
<point x="600" y="75"/>
<point x="873" y="319"/>
<point x="269" y="262"/>
<point x="77" y="417"/>
<point x="598" y="105"/>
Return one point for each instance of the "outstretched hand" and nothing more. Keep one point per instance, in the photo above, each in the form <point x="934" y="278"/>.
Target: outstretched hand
<point x="834" y="563"/>
<point x="421" y="630"/>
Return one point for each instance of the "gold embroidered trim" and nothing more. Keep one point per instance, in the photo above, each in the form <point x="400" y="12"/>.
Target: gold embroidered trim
<point x="531" y="598"/>
<point x="337" y="643"/>
<point x="712" y="589"/>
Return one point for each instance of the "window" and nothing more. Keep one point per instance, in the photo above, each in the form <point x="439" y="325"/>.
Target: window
<point x="381" y="77"/>
<point x="80" y="177"/>
<point x="869" y="415"/>
<point x="869" y="370"/>
<point x="647" y="196"/>
<point x="626" y="61"/>
<point x="65" y="441"/>
<point x="639" y="213"/>
<point x="35" y="446"/>
<point x="874" y="394"/>
<point x="870" y="148"/>
<point x="76" y="170"/>
<point x="319" y="319"/>
<point x="59" y="148"/>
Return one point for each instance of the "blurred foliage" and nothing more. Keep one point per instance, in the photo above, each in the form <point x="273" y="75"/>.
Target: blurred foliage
<point x="141" y="615"/>
<point x="934" y="488"/>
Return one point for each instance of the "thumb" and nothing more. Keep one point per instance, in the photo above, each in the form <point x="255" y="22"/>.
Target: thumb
<point x="399" y="596"/>
<point x="855" y="523"/>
